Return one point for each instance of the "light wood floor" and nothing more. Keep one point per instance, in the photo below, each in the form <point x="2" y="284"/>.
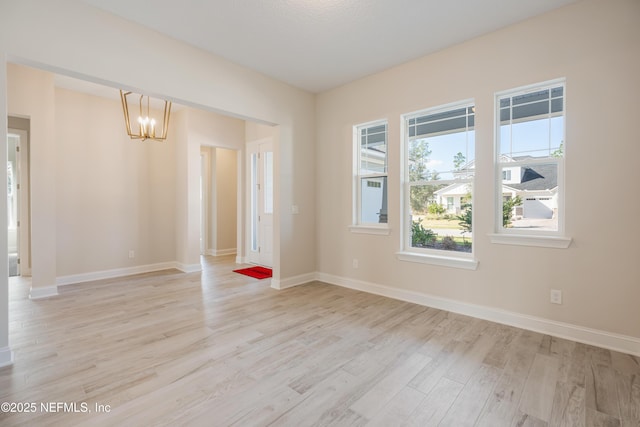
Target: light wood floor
<point x="218" y="349"/>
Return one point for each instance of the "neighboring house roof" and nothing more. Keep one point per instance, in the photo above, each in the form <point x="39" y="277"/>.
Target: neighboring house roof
<point x="454" y="189"/>
<point x="537" y="177"/>
<point x="545" y="177"/>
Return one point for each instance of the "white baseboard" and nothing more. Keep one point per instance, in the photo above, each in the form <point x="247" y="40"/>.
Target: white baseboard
<point x="241" y="260"/>
<point x="221" y="252"/>
<point x="611" y="341"/>
<point x="6" y="357"/>
<point x="290" y="282"/>
<point x="188" y="268"/>
<point x="43" y="292"/>
<point x="110" y="274"/>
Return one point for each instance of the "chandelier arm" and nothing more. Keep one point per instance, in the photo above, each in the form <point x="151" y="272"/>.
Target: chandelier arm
<point x="165" y="121"/>
<point x="125" y="111"/>
<point x="147" y="124"/>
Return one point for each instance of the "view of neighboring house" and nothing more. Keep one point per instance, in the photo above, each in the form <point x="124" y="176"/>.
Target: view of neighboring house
<point x="535" y="183"/>
<point x="537" y="186"/>
<point x="373" y="200"/>
<point x="373" y="181"/>
<point x="452" y="196"/>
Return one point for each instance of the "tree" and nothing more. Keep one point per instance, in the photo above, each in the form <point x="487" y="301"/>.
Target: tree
<point x="419" y="153"/>
<point x="459" y="160"/>
<point x="559" y="152"/>
<point x="420" y="195"/>
<point x="507" y="209"/>
<point x="466" y="216"/>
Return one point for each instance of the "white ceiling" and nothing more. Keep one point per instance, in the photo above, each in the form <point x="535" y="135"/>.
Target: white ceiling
<point x="321" y="44"/>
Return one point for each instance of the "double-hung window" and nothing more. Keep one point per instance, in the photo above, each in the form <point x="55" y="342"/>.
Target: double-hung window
<point x="530" y="149"/>
<point x="439" y="170"/>
<point x="370" y="175"/>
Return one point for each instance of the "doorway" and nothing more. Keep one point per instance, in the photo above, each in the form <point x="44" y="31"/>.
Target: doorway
<point x="218" y="195"/>
<point x="17" y="202"/>
<point x="260" y="167"/>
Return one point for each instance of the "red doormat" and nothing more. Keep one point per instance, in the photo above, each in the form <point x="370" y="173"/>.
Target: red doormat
<point x="257" y="272"/>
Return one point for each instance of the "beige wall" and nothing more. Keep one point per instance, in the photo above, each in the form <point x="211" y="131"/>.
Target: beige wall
<point x="31" y="95"/>
<point x="113" y="194"/>
<point x="179" y="128"/>
<point x="595" y="45"/>
<point x="222" y="187"/>
<point x="226" y="173"/>
<point x="215" y="130"/>
<point x="216" y="133"/>
<point x="198" y="129"/>
<point x="257" y="131"/>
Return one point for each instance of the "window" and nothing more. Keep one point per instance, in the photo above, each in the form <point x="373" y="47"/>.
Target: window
<point x="439" y="169"/>
<point x="530" y="160"/>
<point x="370" y="173"/>
<point x="449" y="204"/>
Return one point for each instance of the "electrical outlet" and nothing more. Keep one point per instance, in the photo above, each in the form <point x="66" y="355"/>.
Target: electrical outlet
<point x="132" y="254"/>
<point x="556" y="296"/>
<point x="355" y="263"/>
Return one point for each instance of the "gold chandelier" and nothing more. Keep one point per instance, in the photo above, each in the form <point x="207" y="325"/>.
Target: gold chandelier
<point x="148" y="127"/>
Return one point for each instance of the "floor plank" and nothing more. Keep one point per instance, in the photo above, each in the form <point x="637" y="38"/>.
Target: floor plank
<point x="503" y="402"/>
<point x="568" y="406"/>
<point x="537" y="398"/>
<point x="467" y="407"/>
<point x="628" y="388"/>
<point x="526" y="420"/>
<point x="601" y="391"/>
<point x="435" y="405"/>
<point x="398" y="409"/>
<point x="383" y="391"/>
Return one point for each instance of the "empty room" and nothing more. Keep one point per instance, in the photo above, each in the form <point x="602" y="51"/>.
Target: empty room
<point x="301" y="212"/>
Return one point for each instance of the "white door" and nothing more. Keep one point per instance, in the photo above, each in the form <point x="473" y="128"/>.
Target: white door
<point x="260" y="167"/>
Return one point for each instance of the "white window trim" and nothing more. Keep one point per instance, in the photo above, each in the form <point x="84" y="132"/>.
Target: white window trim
<point x="408" y="253"/>
<point x="466" y="263"/>
<point x="519" y="237"/>
<point x="530" y="240"/>
<point x="356" y="226"/>
<point x="380" y="230"/>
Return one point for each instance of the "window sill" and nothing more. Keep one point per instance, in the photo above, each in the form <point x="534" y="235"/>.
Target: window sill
<point x="529" y="240"/>
<point x="370" y="229"/>
<point x="445" y="261"/>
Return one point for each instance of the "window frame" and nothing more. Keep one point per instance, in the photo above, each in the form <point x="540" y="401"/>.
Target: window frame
<point x="543" y="238"/>
<point x="464" y="260"/>
<point x="357" y="226"/>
